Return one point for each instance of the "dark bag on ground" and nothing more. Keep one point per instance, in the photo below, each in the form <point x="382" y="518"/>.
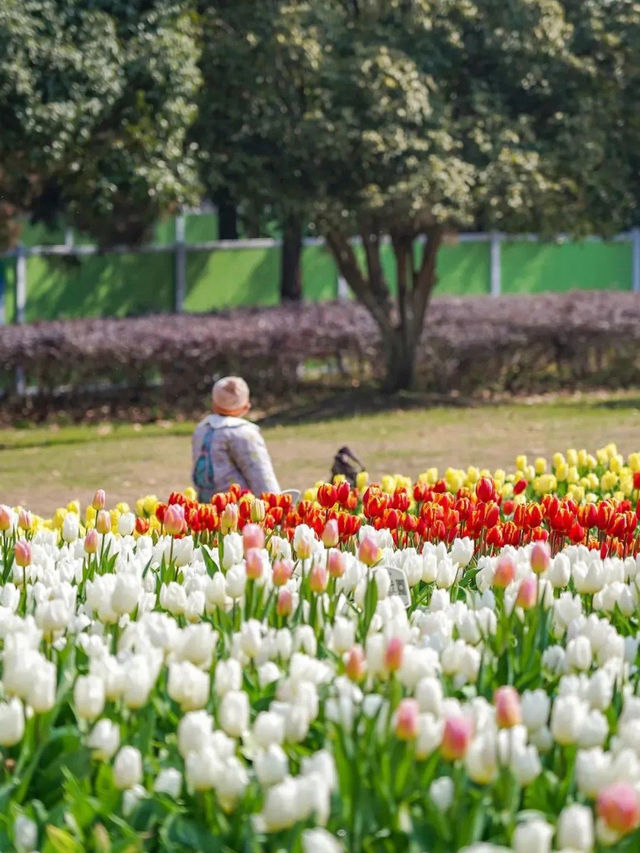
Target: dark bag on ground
<point x="343" y="463"/>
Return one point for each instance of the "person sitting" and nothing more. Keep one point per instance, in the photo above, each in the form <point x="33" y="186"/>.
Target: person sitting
<point x="227" y="448"/>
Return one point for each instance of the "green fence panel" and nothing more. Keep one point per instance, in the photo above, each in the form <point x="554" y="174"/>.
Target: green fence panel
<point x="559" y="267"/>
<point x="232" y="277"/>
<point x="319" y="275"/>
<point x="9" y="272"/>
<point x="99" y="285"/>
<point x="463" y="269"/>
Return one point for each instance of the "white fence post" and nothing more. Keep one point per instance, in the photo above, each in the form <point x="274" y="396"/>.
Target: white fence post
<point x="180" y="263"/>
<point x="496" y="265"/>
<point x="21" y="308"/>
<point x="343" y="288"/>
<point x="635" y="260"/>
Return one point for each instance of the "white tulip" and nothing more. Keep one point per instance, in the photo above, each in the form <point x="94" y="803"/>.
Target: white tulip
<point x="534" y="836"/>
<point x="11" y="722"/>
<point x="197" y="643"/>
<point x="88" y="696"/>
<point x="268" y="728"/>
<point x="233" y="713"/>
<point x="169" y="782"/>
<point x="194" y="732"/>
<point x="126" y="524"/>
<point x="104" y="739"/>
<point x="525" y="765"/>
<point x="441" y="792"/>
<point x="126" y="592"/>
<point x="593" y="771"/>
<point x="535" y="705"/>
<point x="579" y="654"/>
<point x="127" y="767"/>
<point x="70" y="527"/>
<point x="575" y="828"/>
<point x="318" y="840"/>
<point x="25" y="834"/>
<point x="228" y="676"/>
<point x="232" y="782"/>
<point x="203" y="769"/>
<point x="188" y="686"/>
<point x="41" y="694"/>
<point x="567" y="718"/>
<point x="594" y="730"/>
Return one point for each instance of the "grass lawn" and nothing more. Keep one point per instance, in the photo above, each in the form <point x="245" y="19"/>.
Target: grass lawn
<point x="45" y="467"/>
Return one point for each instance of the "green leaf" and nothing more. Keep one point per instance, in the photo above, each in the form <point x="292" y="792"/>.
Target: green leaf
<point x="62" y="841"/>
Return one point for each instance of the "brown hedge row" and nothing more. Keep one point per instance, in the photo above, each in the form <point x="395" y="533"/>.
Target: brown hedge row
<point x="511" y="343"/>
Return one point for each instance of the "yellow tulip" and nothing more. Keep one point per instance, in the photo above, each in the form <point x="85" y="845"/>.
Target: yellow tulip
<point x="602" y="456"/>
<point x="608" y="480"/>
<point x="507" y="490"/>
<point x="74" y="506"/>
<point x="362" y="480"/>
<point x="572" y="456"/>
<point x="558" y="460"/>
<point x="562" y="471"/>
<point x="616" y="463"/>
<point x="540" y="465"/>
<point x="583" y="458"/>
<point x="634" y="461"/>
<point x="521" y="462"/>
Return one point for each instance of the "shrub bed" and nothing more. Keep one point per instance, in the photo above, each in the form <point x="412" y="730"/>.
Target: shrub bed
<point x="511" y="343"/>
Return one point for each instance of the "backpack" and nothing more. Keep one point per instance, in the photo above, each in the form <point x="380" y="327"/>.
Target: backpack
<point x="202" y="475"/>
<point x="342" y="464"/>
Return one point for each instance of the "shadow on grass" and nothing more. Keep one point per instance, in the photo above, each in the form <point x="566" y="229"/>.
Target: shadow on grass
<point x="337" y="404"/>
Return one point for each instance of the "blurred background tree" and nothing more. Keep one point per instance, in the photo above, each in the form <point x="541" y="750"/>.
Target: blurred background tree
<point x="96" y="98"/>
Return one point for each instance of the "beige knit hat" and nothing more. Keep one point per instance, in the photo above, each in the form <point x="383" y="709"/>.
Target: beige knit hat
<point x="230" y="396"/>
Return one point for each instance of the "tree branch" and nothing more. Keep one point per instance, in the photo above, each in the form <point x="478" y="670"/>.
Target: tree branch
<point x="349" y="268"/>
<point x="424" y="279"/>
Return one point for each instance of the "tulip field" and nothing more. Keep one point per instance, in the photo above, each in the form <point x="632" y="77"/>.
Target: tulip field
<point x="439" y="665"/>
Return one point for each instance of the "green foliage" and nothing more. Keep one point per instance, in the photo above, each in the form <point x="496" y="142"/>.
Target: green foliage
<point x="96" y="99"/>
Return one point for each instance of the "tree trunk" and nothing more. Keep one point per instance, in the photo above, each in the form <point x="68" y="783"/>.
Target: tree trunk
<point x="400" y="353"/>
<point x="401" y="332"/>
<point x="290" y="268"/>
<point x="227" y="216"/>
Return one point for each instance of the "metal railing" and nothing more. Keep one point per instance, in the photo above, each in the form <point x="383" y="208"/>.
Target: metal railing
<point x="180" y="250"/>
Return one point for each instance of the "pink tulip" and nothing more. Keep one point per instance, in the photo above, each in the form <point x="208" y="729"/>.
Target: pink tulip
<point x="527" y="593"/>
<point x="174" y="521"/>
<point x="508" y="708"/>
<point x="22" y="552"/>
<point x="368" y="551"/>
<point x="229" y="519"/>
<point x="25" y="519"/>
<point x="318" y="578"/>
<point x="282" y="571"/>
<point x="336" y="563"/>
<point x="407" y="717"/>
<point x="540" y="557"/>
<point x="456" y="737"/>
<point x="5" y="517"/>
<point x="253" y="562"/>
<point x="252" y="536"/>
<point x="330" y="534"/>
<point x="617" y="805"/>
<point x="393" y="654"/>
<point x="103" y="521"/>
<point x="356" y="664"/>
<point x="99" y="499"/>
<point x="91" y="541"/>
<point x="284" y="605"/>
<point x="505" y="571"/>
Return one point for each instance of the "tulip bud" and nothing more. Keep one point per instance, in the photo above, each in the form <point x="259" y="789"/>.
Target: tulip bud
<point x="617" y="805"/>
<point x="407" y="718"/>
<point x="540" y="557"/>
<point x="174" y="521"/>
<point x="393" y="654"/>
<point x="99" y="500"/>
<point x="229" y="519"/>
<point x="356" y="663"/>
<point x="252" y="537"/>
<point x="253" y="562"/>
<point x="258" y="511"/>
<point x="91" y="541"/>
<point x="127" y="768"/>
<point x="330" y="534"/>
<point x="282" y="571"/>
<point x="527" y="593"/>
<point x="103" y="521"/>
<point x="368" y="551"/>
<point x="22" y="552"/>
<point x="456" y="737"/>
<point x="505" y="571"/>
<point x="11" y="722"/>
<point x="284" y="604"/>
<point x="318" y="578"/>
<point x="484" y="489"/>
<point x="25" y="520"/>
<point x="5" y="517"/>
<point x="336" y="563"/>
<point x="88" y="696"/>
<point x="508" y="709"/>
